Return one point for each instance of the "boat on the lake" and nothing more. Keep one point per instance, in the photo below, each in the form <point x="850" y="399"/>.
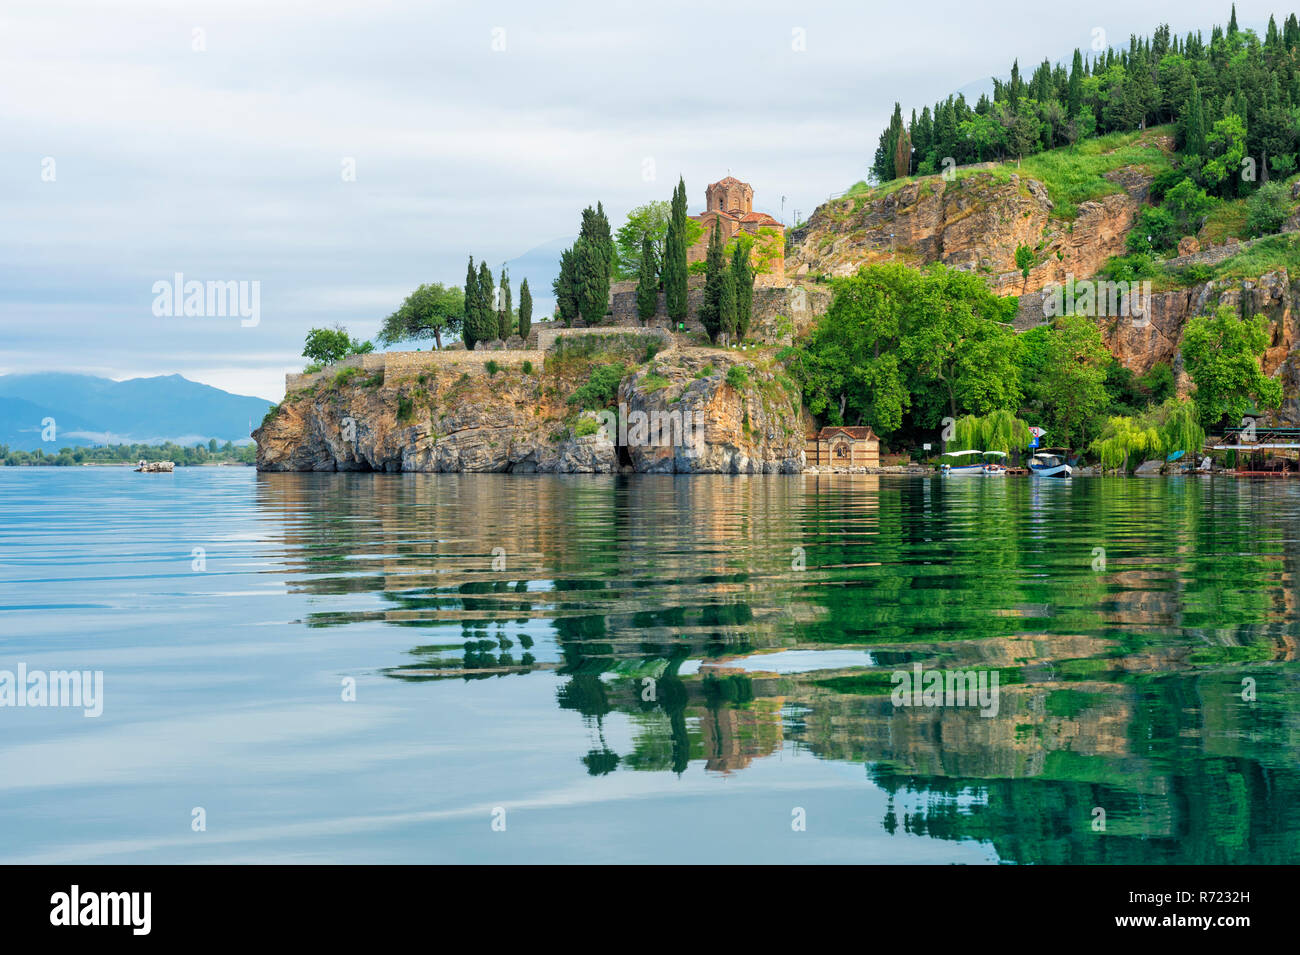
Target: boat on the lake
<point x="156" y="467"/>
<point x="1046" y="464"/>
<point x="986" y="464"/>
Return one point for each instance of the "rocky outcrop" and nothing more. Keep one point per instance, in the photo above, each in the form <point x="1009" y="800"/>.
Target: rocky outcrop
<point x="749" y="426"/>
<point x="1141" y="342"/>
<point x="975" y="222"/>
<point x="520" y="420"/>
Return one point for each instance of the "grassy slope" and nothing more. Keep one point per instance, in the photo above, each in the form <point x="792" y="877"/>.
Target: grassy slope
<point x="1071" y="174"/>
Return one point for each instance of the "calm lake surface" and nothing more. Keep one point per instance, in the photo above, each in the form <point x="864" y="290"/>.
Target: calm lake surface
<point x="649" y="669"/>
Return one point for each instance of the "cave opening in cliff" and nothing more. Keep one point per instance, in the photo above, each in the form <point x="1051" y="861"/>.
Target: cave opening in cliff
<point x="624" y="456"/>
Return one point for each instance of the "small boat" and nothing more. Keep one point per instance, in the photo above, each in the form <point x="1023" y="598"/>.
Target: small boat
<point x="971" y="467"/>
<point x="1044" y="464"/>
<point x="156" y="467"/>
<point x="987" y="466"/>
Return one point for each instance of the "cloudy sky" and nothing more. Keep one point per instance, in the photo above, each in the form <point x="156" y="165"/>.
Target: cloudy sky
<point x="146" y="138"/>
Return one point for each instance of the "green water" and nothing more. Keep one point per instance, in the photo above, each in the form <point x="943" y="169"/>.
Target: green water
<point x="651" y="668"/>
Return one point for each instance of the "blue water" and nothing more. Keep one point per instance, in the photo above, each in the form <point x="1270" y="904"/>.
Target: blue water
<point x="486" y="692"/>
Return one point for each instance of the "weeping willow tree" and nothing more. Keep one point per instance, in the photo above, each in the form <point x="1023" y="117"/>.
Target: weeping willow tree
<point x="999" y="431"/>
<point x="1179" y="426"/>
<point x="1169" y="427"/>
<point x="1122" y="437"/>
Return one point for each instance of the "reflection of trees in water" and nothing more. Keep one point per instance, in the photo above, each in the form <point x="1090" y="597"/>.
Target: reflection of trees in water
<point x="1127" y="674"/>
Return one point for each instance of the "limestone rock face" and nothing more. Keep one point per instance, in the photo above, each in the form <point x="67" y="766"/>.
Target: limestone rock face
<point x="519" y="422"/>
<point x="752" y="428"/>
<point x="974" y="222"/>
<point x="1157" y="337"/>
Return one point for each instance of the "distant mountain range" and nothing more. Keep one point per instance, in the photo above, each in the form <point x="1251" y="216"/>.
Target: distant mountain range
<point x="88" y="410"/>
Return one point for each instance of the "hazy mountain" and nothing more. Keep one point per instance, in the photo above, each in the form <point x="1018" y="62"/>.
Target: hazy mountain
<point x="90" y="410"/>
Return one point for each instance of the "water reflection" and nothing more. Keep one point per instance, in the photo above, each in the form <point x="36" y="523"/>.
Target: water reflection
<point x="1124" y="618"/>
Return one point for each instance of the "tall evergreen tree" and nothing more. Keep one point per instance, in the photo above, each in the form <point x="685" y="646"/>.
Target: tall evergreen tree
<point x="718" y="309"/>
<point x="593" y="282"/>
<point x="525" y="310"/>
<point x="487" y="320"/>
<point x="505" y="316"/>
<point x="742" y="277"/>
<point x="903" y="155"/>
<point x="674" y="265"/>
<point x="469" y="327"/>
<point x="1074" y="98"/>
<point x="647" y="285"/>
<point x="565" y="286"/>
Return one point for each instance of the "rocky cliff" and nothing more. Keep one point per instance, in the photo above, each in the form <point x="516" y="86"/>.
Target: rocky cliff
<point x="460" y="417"/>
<point x="1141" y="342"/>
<point x="976" y="222"/>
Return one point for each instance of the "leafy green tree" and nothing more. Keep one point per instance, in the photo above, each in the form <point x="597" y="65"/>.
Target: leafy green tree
<point x="431" y="311"/>
<point x="1070" y="382"/>
<point x="649" y="221"/>
<point x="1024" y="261"/>
<point x="999" y="431"/>
<point x="850" y="368"/>
<point x="1123" y="437"/>
<point x="647" y="286"/>
<point x="325" y="346"/>
<point x="1227" y="148"/>
<point x="525" y="310"/>
<point x="958" y="339"/>
<point x="1187" y="205"/>
<point x="1267" y="209"/>
<point x="1222" y="355"/>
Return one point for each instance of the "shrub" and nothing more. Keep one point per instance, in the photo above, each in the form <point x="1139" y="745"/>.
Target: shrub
<point x="1131" y="268"/>
<point x="586" y="426"/>
<point x="492" y="367"/>
<point x="405" y="408"/>
<point x="528" y="367"/>
<point x="1266" y="210"/>
<point x="738" y="377"/>
<point x="344" y="376"/>
<point x="653" y="381"/>
<point x="601" y="389"/>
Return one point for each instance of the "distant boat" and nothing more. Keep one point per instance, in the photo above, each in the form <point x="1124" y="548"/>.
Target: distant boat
<point x="1044" y="464"/>
<point x="984" y="466"/>
<point x="156" y="467"/>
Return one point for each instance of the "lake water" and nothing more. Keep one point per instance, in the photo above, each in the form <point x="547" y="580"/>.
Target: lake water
<point x="649" y="668"/>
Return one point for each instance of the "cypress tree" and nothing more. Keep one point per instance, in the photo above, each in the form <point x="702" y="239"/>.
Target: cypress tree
<point x="674" y="266"/>
<point x="1074" y="98"/>
<point x="716" y="276"/>
<point x="742" y="277"/>
<point x="525" y="310"/>
<point x="594" y="257"/>
<point x="565" y="287"/>
<point x="592" y="280"/>
<point x="469" y="327"/>
<point x="647" y="286"/>
<point x="903" y="154"/>
<point x="487" y="321"/>
<point x="1194" y="123"/>
<point x="505" y="320"/>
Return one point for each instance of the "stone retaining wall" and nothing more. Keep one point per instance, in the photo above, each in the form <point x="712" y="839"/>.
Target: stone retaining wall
<point x="398" y="363"/>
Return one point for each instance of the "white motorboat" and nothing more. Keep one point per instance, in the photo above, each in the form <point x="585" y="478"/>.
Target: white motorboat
<point x="1044" y="464"/>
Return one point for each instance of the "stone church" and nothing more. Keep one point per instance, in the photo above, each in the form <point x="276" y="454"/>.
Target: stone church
<point x="731" y="202"/>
